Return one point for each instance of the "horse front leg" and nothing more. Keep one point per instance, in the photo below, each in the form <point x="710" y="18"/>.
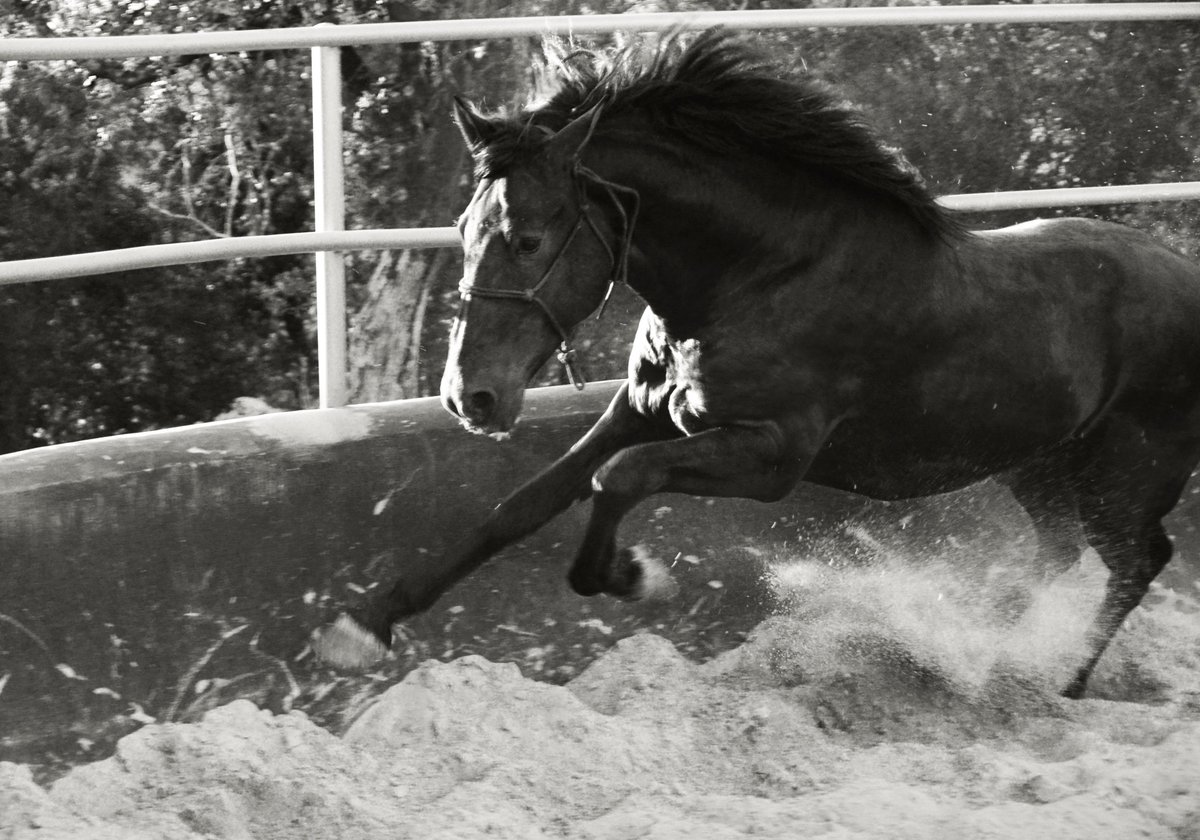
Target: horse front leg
<point x="755" y="462"/>
<point x="362" y="637"/>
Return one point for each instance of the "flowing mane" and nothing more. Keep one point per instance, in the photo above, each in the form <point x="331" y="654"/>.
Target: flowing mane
<point x="719" y="94"/>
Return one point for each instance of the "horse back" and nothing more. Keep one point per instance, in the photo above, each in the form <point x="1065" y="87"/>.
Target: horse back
<point x="1120" y="301"/>
<point x="1029" y="336"/>
<point x="1092" y="251"/>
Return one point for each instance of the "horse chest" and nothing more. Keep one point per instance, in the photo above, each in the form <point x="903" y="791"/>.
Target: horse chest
<point x="699" y="384"/>
<point x="667" y="381"/>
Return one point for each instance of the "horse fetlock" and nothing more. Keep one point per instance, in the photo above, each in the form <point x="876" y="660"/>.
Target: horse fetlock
<point x="584" y="584"/>
<point x="585" y="578"/>
<point x="632" y="574"/>
<point x="1078" y="685"/>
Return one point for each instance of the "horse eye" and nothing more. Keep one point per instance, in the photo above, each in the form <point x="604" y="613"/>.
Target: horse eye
<point x="526" y="245"/>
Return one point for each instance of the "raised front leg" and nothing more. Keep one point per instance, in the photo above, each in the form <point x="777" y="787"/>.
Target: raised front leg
<point x="756" y="462"/>
<point x="357" y="640"/>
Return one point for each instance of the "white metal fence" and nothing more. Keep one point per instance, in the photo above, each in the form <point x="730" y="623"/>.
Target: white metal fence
<point x="329" y="236"/>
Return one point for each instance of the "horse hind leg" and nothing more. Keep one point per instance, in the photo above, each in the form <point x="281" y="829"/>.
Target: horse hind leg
<point x="1132" y="485"/>
<point x="1046" y="493"/>
<point x="1134" y="558"/>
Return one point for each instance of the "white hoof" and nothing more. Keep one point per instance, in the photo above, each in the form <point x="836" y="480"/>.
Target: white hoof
<point x="345" y="644"/>
<point x="655" y="582"/>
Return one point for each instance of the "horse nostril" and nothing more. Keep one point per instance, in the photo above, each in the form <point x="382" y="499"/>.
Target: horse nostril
<point x="479" y="405"/>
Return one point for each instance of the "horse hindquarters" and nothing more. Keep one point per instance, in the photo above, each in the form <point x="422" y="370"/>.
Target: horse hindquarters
<point x="1135" y="477"/>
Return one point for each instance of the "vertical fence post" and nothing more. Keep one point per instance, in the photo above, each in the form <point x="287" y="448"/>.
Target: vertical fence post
<point x="330" y="215"/>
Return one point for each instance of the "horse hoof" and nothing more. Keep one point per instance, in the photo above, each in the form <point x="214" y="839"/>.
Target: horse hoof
<point x="346" y="645"/>
<point x="653" y="581"/>
<point x="1075" y="690"/>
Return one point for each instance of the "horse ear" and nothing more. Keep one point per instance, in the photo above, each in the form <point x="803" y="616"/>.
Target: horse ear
<point x="570" y="139"/>
<point x="476" y="129"/>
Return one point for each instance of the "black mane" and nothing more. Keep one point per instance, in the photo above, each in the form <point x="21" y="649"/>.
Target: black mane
<point x="722" y="95"/>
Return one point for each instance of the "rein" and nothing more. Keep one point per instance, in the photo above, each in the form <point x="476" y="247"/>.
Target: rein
<point x="619" y="261"/>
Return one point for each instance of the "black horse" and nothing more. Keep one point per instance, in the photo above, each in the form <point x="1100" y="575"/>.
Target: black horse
<point x="813" y="314"/>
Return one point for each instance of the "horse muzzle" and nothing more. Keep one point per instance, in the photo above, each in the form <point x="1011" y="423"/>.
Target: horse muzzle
<point x="481" y="408"/>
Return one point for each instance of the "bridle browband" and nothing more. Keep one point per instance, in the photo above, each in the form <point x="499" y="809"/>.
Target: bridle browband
<point x="582" y="176"/>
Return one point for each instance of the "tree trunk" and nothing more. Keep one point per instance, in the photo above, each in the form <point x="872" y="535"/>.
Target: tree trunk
<point x="386" y="348"/>
<point x="385" y="336"/>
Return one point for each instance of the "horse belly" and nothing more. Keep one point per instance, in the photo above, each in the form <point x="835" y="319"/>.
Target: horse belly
<point x="888" y="464"/>
<point x="919" y="440"/>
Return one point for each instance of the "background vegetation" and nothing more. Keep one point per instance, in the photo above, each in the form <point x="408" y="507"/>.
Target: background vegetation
<point x="116" y="153"/>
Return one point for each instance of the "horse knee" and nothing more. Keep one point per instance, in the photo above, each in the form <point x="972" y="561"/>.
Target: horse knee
<point x="622" y="476"/>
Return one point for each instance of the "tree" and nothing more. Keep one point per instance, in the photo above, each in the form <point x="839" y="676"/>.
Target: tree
<point x="99" y="154"/>
<point x="104" y="155"/>
<point x="982" y="108"/>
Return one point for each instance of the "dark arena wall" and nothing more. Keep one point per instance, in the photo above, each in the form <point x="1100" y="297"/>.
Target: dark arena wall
<point x="143" y="573"/>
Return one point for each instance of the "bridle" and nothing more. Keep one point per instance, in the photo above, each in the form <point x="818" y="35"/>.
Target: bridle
<point x="582" y="176"/>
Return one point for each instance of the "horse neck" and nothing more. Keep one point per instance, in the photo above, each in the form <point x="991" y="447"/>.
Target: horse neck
<point x="709" y="226"/>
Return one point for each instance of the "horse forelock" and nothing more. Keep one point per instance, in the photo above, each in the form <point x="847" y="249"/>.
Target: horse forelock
<point x="716" y="92"/>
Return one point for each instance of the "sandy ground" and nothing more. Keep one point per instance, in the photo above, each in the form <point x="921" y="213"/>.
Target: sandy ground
<point x="882" y="702"/>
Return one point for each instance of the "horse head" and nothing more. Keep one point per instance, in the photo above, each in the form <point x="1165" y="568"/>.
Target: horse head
<point x="538" y="258"/>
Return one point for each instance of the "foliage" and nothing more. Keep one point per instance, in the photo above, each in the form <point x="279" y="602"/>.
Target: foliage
<point x="99" y="154"/>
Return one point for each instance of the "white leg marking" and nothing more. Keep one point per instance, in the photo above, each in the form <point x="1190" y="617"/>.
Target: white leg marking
<point x="345" y="644"/>
<point x="656" y="582"/>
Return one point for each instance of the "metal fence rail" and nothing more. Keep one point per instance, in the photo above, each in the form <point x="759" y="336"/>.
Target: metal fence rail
<point x="209" y="250"/>
<point x="125" y="46"/>
<point x="325" y="40"/>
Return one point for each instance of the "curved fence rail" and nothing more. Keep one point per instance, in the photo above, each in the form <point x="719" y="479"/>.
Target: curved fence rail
<point x="208" y="250"/>
<point x="324" y="41"/>
<point x="124" y="46"/>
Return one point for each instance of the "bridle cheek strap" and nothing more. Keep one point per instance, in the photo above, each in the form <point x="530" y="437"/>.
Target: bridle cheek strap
<point x="565" y="353"/>
<point x="619" y="260"/>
